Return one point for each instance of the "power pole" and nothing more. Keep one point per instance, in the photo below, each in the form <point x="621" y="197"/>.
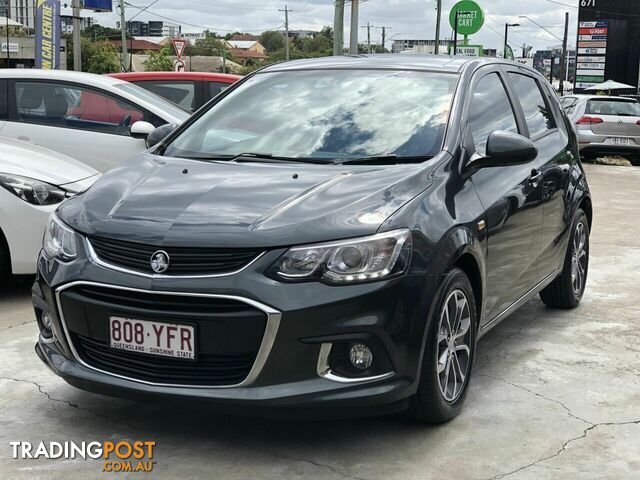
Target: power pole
<point x="286" y="31"/>
<point x="368" y="27"/>
<point x="77" y="47"/>
<point x="436" y="48"/>
<point x="353" y="31"/>
<point x="384" y="36"/>
<point x="563" y="66"/>
<point x="338" y="28"/>
<point x="123" y="33"/>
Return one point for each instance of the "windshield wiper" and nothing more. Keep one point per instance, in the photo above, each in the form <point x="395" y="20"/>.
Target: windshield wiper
<point x="389" y="158"/>
<point x="255" y="157"/>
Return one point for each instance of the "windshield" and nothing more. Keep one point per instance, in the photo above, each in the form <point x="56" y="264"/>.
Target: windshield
<point x="333" y="114"/>
<point x="151" y="98"/>
<point x="614" y="107"/>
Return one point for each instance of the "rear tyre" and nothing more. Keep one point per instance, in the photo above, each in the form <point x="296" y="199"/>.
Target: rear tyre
<point x="567" y="290"/>
<point x="449" y="352"/>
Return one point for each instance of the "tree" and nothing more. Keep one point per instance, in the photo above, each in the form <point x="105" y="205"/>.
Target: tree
<point x="209" y="46"/>
<point x="100" y="57"/>
<point x="272" y="41"/>
<point x="159" y="61"/>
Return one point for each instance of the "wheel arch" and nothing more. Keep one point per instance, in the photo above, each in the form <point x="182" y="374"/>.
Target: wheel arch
<point x="464" y="250"/>
<point x="5" y="263"/>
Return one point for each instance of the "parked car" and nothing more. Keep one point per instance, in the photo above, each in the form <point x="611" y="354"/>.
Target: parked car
<point x="34" y="181"/>
<point x="333" y="234"/>
<point x="95" y="119"/>
<point x="605" y="125"/>
<point x="189" y="90"/>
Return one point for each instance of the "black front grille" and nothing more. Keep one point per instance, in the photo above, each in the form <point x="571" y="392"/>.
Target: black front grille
<point x="229" y="333"/>
<point x="183" y="260"/>
<point x="208" y="369"/>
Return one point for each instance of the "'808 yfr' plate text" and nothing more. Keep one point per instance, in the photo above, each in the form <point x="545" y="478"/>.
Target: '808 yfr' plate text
<point x="155" y="338"/>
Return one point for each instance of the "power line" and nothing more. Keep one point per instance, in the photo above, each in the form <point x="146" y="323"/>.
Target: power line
<point x="563" y="4"/>
<point x="198" y="26"/>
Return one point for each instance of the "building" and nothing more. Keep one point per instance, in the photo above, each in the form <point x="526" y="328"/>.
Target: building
<point x="22" y="52"/>
<point x="608" y="43"/>
<point x="19" y="10"/>
<point x="544" y="59"/>
<point x="419" y="46"/>
<point x="152" y="29"/>
<point x="66" y="23"/>
<point x="300" y="33"/>
<point x="135" y="45"/>
<point x="249" y="48"/>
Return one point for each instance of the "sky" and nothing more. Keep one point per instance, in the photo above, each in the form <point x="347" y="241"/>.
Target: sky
<point x="404" y="18"/>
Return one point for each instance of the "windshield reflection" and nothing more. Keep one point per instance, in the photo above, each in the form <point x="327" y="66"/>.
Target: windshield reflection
<point x="326" y="114"/>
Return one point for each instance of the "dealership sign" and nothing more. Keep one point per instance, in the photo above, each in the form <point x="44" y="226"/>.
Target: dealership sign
<point x="469" y="50"/>
<point x="13" y="48"/>
<point x="591" y="56"/>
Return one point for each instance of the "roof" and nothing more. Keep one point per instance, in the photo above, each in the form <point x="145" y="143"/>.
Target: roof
<point x="90" y="79"/>
<point x="245" y="37"/>
<point x="177" y="76"/>
<point x="238" y="53"/>
<point x="242" y="44"/>
<point x="133" y="44"/>
<point x="444" y="63"/>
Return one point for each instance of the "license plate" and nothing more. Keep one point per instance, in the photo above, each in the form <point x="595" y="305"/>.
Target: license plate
<point x="621" y="141"/>
<point x="155" y="338"/>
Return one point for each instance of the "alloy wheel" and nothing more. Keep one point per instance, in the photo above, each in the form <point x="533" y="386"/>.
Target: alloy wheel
<point x="454" y="340"/>
<point x="579" y="259"/>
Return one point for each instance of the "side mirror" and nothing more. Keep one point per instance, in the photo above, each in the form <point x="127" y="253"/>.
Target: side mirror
<point x="141" y="129"/>
<point x="157" y="134"/>
<point x="509" y="148"/>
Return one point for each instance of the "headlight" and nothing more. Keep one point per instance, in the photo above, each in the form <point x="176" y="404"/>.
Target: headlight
<point x="59" y="240"/>
<point x="351" y="261"/>
<point x="32" y="191"/>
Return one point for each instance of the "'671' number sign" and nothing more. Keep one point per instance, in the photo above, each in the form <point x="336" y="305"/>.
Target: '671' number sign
<point x="588" y="3"/>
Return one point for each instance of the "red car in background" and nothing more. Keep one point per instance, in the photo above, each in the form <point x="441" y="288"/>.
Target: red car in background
<point x="189" y="90"/>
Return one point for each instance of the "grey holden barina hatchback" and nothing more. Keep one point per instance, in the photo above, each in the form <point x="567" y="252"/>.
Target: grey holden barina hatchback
<point x="330" y="235"/>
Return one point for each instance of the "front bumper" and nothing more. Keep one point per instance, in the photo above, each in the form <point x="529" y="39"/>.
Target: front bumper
<point x="292" y="368"/>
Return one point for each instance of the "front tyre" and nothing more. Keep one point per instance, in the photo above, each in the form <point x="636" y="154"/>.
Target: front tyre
<point x="567" y="290"/>
<point x="449" y="352"/>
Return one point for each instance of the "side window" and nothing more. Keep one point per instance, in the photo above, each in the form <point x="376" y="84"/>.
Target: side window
<point x="490" y="110"/>
<point x="59" y="105"/>
<point x="180" y="93"/>
<point x="216" y="87"/>
<point x="536" y="110"/>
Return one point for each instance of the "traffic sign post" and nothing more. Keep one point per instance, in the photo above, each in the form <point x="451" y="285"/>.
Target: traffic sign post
<point x="179" y="45"/>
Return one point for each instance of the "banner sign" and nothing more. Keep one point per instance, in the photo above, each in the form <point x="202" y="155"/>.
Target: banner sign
<point x="48" y="34"/>
<point x="469" y="50"/>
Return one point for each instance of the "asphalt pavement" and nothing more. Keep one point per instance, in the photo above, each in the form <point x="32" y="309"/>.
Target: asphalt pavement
<point x="555" y="394"/>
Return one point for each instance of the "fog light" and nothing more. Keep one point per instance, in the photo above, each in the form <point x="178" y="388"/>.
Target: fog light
<point x="361" y="356"/>
<point x="46" y="321"/>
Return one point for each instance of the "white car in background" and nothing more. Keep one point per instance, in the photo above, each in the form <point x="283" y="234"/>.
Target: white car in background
<point x="605" y="125"/>
<point x="33" y="182"/>
<point x="96" y="119"/>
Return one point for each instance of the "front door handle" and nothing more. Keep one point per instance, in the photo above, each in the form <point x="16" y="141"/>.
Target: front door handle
<point x="535" y="176"/>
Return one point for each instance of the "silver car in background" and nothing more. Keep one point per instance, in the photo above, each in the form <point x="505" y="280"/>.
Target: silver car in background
<point x="605" y="125"/>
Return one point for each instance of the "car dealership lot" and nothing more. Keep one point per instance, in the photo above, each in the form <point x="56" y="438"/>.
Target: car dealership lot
<point x="555" y="393"/>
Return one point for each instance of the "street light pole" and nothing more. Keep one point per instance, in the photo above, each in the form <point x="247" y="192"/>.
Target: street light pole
<point x="506" y="35"/>
<point x="564" y="67"/>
